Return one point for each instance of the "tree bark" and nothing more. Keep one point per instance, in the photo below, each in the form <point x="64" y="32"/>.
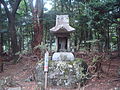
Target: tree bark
<point x="1" y="43"/>
<point x="118" y="40"/>
<point x="37" y="12"/>
<point x="75" y="42"/>
<point x="13" y="35"/>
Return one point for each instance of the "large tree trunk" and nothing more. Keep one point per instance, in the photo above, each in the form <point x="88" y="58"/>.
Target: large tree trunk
<point x="13" y="35"/>
<point x="38" y="26"/>
<point x="38" y="34"/>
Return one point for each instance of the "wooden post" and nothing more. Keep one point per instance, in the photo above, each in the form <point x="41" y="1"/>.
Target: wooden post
<point x="46" y="67"/>
<point x="45" y="80"/>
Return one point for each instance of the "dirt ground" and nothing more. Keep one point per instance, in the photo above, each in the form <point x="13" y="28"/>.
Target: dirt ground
<point x="109" y="80"/>
<point x="21" y="74"/>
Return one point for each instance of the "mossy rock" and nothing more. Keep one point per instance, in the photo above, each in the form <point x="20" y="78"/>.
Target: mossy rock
<point x="63" y="73"/>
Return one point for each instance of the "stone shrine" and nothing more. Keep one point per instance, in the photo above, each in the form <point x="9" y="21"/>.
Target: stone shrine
<point x="64" y="70"/>
<point x="62" y="32"/>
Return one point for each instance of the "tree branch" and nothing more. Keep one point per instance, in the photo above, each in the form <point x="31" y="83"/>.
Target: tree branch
<point x="15" y="6"/>
<point x="31" y="5"/>
<point x="6" y="8"/>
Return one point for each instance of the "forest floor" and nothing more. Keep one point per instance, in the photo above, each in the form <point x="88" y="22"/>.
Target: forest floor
<point x="21" y="75"/>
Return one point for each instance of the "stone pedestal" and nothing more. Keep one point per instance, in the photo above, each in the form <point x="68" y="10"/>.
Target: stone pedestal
<point x="63" y="56"/>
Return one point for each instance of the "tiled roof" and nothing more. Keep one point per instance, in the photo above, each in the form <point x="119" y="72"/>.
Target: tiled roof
<point x="62" y="23"/>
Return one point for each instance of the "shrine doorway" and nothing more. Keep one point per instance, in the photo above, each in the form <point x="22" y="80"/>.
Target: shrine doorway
<point x="62" y="44"/>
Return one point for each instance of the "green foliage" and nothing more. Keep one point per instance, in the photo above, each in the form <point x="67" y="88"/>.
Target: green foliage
<point x="92" y="20"/>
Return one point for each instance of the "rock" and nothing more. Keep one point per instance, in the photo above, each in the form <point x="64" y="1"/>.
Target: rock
<point x="5" y="80"/>
<point x="6" y="83"/>
<point x="13" y="88"/>
<point x="116" y="88"/>
<point x="39" y="73"/>
<point x="1" y="88"/>
<point x="29" y="79"/>
<point x="62" y="73"/>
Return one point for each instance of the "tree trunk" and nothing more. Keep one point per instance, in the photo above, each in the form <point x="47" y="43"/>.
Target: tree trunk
<point x="38" y="26"/>
<point x="1" y="43"/>
<point x="50" y="43"/>
<point x="107" y="41"/>
<point x="38" y="34"/>
<point x="118" y="41"/>
<point x="1" y="38"/>
<point x="13" y="36"/>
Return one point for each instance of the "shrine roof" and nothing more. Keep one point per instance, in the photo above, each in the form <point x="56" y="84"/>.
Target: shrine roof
<point x="62" y="24"/>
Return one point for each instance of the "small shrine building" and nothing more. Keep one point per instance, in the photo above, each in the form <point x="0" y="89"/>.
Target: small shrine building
<point x="62" y="32"/>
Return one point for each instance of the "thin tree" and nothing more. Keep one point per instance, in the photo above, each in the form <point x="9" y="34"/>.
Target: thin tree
<point x="1" y="41"/>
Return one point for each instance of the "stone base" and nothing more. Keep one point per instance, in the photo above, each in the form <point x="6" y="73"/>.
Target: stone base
<point x="63" y="56"/>
<point x="13" y="88"/>
<point x="62" y="73"/>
